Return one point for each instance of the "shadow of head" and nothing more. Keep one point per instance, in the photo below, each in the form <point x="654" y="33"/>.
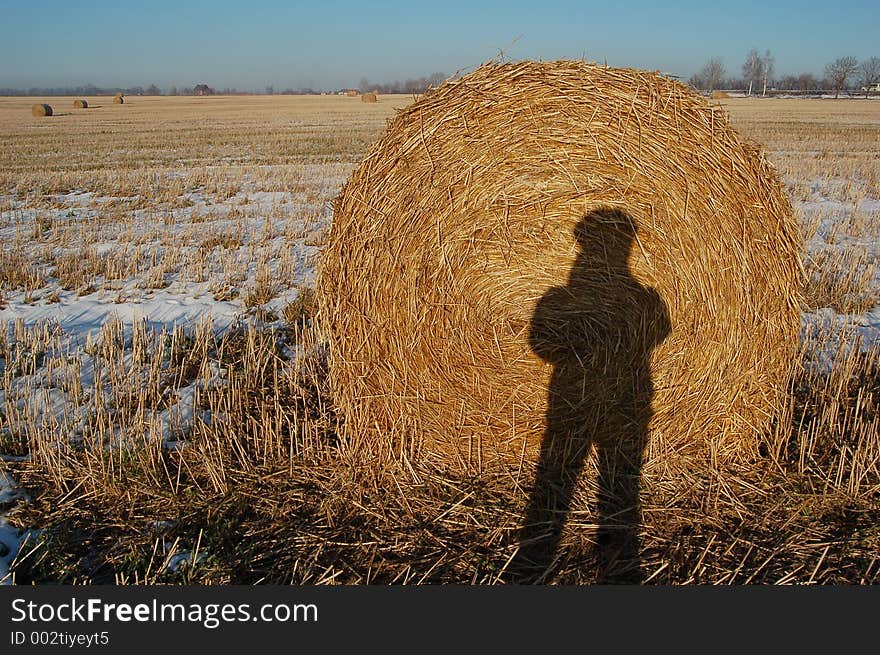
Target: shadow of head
<point x="603" y="314"/>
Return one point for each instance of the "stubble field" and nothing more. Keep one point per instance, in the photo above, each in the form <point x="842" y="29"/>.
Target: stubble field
<point x="163" y="414"/>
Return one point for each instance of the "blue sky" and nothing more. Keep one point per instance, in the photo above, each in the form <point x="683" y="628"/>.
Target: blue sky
<point x="329" y="44"/>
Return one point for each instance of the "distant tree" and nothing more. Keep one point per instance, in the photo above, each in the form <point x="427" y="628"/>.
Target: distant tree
<point x="787" y="82"/>
<point x="869" y="73"/>
<point x="807" y="82"/>
<point x="270" y="90"/>
<point x="364" y="85"/>
<point x="436" y="79"/>
<point x="153" y="90"/>
<point x="173" y="91"/>
<point x="752" y="69"/>
<point x="710" y="76"/>
<point x="767" y="70"/>
<point x="839" y="71"/>
<point x="202" y="90"/>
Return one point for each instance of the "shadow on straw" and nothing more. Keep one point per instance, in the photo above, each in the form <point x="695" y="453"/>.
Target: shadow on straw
<point x="598" y="332"/>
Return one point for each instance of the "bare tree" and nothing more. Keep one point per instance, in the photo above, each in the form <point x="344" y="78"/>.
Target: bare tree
<point x="436" y="79"/>
<point x="787" y="82"/>
<point x="752" y="69"/>
<point x="807" y="82"/>
<point x="153" y="90"/>
<point x="710" y="76"/>
<point x="767" y="69"/>
<point x="869" y="73"/>
<point x="839" y="71"/>
<point x="714" y="72"/>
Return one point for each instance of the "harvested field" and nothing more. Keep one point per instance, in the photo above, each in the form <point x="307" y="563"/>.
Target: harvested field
<point x="165" y="415"/>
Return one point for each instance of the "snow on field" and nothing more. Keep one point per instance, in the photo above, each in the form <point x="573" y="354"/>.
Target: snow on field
<point x="94" y="269"/>
<point x="10" y="538"/>
<point x="846" y="234"/>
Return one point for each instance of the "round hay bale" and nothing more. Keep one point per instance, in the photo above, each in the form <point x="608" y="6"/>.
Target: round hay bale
<point x="118" y="99"/>
<point x="351" y="93"/>
<point x="719" y="95"/>
<point x="560" y="247"/>
<point x="80" y="104"/>
<point x="369" y="97"/>
<point x="41" y="109"/>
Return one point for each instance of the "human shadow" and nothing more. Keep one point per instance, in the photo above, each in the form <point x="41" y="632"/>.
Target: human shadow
<point x="598" y="332"/>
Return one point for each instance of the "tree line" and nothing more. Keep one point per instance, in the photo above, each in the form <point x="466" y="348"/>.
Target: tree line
<point x="408" y="86"/>
<point x="759" y="76"/>
<point x="415" y="86"/>
<point x="83" y="90"/>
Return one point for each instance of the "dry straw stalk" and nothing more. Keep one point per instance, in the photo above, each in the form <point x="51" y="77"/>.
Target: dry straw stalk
<point x="565" y="248"/>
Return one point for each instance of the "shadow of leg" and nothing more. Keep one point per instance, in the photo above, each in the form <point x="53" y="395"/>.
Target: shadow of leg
<point x="560" y="466"/>
<point x="619" y="509"/>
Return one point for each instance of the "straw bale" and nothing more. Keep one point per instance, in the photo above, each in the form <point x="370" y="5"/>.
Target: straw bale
<point x="369" y="97"/>
<point x="80" y="104"/>
<point x="560" y="246"/>
<point x="41" y="109"/>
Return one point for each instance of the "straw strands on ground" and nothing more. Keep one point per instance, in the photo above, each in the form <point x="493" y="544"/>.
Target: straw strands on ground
<point x="560" y="248"/>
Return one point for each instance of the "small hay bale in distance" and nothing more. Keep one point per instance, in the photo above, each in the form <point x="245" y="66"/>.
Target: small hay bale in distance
<point x="79" y="103"/>
<point x="118" y="99"/>
<point x="719" y="95"/>
<point x="369" y="97"/>
<point x="351" y="93"/>
<point x="537" y="236"/>
<point x="41" y="109"/>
